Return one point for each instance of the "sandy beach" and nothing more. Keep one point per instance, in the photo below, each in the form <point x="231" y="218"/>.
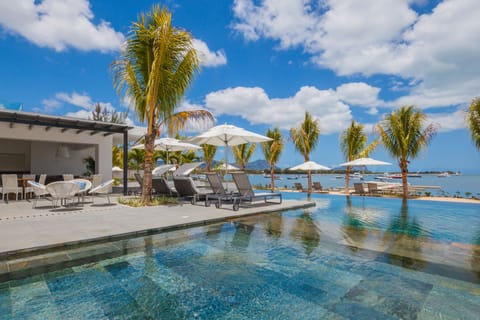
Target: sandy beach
<point x="444" y="199"/>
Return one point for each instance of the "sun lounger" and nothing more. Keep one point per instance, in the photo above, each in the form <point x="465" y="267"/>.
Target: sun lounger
<point x="246" y="191"/>
<point x="299" y="187"/>
<point x="219" y="193"/>
<point x="358" y="189"/>
<point x="186" y="168"/>
<point x="186" y="189"/>
<point x="373" y="189"/>
<point x="317" y="187"/>
<point x="162" y="188"/>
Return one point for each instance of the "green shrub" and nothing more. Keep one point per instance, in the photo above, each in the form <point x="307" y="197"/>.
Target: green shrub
<point x="156" y="201"/>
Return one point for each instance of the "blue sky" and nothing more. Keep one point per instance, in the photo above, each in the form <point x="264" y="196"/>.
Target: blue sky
<point x="264" y="63"/>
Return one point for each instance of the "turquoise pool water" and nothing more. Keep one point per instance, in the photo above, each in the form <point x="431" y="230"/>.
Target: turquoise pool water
<point x="367" y="258"/>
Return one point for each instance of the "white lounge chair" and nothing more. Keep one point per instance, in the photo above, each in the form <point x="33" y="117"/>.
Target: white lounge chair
<point x="97" y="180"/>
<point x="39" y="191"/>
<point x="63" y="191"/>
<point x="10" y="185"/>
<point x="102" y="189"/>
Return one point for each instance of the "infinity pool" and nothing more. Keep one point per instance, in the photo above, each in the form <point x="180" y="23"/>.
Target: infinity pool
<point x="367" y="258"/>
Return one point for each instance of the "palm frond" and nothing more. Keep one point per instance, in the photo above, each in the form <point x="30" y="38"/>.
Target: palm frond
<point x="473" y="121"/>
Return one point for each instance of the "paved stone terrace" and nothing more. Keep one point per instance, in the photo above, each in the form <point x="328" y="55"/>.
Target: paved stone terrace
<point x="23" y="229"/>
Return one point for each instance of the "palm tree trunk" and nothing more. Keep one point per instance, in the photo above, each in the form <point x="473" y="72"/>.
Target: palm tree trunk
<point x="404" y="168"/>
<point x="147" y="170"/>
<point x="347" y="181"/>
<point x="272" y="178"/>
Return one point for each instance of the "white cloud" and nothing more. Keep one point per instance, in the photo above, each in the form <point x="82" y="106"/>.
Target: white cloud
<point x="448" y="121"/>
<point x="80" y="100"/>
<point x="209" y="58"/>
<point x="360" y="94"/>
<point x="372" y="111"/>
<point x="81" y="114"/>
<point x="437" y="51"/>
<point x="254" y="105"/>
<point x="59" y="24"/>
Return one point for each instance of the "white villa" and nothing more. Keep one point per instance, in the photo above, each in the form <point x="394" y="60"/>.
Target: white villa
<point x="36" y="143"/>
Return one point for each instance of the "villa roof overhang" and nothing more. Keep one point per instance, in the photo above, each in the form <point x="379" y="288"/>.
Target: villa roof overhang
<point x="36" y="119"/>
<point x="32" y="119"/>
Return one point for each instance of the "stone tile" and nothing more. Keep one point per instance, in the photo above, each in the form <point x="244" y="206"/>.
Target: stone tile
<point x="450" y="304"/>
<point x="117" y="303"/>
<point x="352" y="310"/>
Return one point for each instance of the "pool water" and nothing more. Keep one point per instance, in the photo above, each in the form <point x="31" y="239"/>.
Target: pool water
<point x="366" y="258"/>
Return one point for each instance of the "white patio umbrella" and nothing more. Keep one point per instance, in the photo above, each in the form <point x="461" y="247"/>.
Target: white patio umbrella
<point x="158" y="171"/>
<point x="309" y="166"/>
<point x="117" y="169"/>
<point x="227" y="135"/>
<point x="169" y="144"/>
<point x="365" y="162"/>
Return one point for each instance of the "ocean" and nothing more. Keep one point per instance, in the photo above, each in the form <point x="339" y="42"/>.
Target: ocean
<point x="454" y="185"/>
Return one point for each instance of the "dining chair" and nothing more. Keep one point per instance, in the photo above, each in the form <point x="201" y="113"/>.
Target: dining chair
<point x="10" y="185"/>
<point x="26" y="187"/>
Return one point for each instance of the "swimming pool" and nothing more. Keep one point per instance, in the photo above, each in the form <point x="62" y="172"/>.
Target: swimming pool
<point x="365" y="258"/>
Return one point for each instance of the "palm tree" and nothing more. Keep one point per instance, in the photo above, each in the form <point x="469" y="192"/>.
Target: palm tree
<point x="136" y="159"/>
<point x="473" y="119"/>
<point x="208" y="155"/>
<point x="305" y="138"/>
<point x="353" y="145"/>
<point x="117" y="156"/>
<point x="156" y="67"/>
<point x="272" y="150"/>
<point x="403" y="135"/>
<point x="243" y="153"/>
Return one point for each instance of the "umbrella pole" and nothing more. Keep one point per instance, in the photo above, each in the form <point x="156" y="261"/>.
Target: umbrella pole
<point x="226" y="164"/>
<point x="226" y="158"/>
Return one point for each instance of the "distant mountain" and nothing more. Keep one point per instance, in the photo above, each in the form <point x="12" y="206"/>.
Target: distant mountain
<point x="259" y="165"/>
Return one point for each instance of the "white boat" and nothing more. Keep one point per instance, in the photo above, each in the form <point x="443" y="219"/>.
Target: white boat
<point x="274" y="177"/>
<point x="356" y="175"/>
<point x="414" y="175"/>
<point x="387" y="176"/>
<point x="443" y="175"/>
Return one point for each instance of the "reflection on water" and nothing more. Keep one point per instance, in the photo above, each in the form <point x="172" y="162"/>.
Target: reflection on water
<point x="305" y="230"/>
<point x="212" y="232"/>
<point x="353" y="226"/>
<point x="242" y="235"/>
<point x="404" y="239"/>
<point x="475" y="259"/>
<point x="273" y="225"/>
